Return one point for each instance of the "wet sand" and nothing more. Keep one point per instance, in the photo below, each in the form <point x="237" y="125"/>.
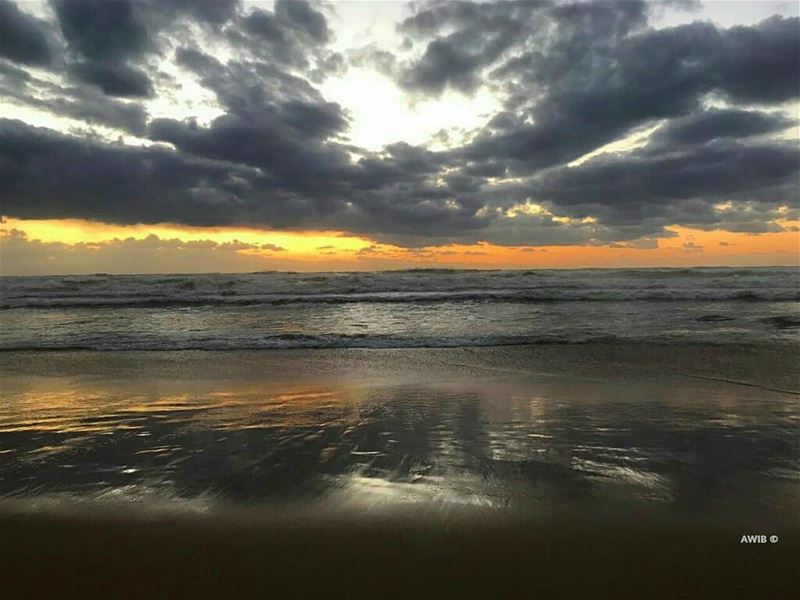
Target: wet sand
<point x="599" y="470"/>
<point x="637" y="555"/>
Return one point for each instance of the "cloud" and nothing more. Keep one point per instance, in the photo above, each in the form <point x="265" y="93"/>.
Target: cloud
<point x="569" y="78"/>
<point x="23" y="38"/>
<point x="464" y="39"/>
<point x="82" y="103"/>
<point x="705" y="126"/>
<point x="102" y="30"/>
<point x="114" y="79"/>
<point x="692" y="247"/>
<point x="714" y="172"/>
<point x="214" y="14"/>
<point x="467" y="38"/>
<point x="109" y="41"/>
<point x="21" y="255"/>
<point x="594" y="89"/>
<point x="44" y="174"/>
<point x="294" y="34"/>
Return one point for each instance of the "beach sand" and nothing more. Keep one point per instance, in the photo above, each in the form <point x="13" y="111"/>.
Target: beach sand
<point x="478" y="556"/>
<point x="597" y="470"/>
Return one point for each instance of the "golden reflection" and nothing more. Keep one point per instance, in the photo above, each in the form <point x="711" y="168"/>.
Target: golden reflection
<point x="87" y="406"/>
<point x="370" y="442"/>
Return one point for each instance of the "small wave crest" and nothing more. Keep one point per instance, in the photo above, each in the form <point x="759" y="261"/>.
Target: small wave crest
<point x="230" y="298"/>
<point x="783" y="321"/>
<point x="296" y="341"/>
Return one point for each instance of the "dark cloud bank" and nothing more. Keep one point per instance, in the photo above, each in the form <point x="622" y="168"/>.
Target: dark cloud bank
<point x="573" y="77"/>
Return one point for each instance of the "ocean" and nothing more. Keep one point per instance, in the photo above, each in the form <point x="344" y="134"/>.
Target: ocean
<point x="450" y="432"/>
<point x="399" y="309"/>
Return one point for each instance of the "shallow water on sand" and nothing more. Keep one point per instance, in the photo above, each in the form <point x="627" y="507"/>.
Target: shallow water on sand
<point x="434" y="436"/>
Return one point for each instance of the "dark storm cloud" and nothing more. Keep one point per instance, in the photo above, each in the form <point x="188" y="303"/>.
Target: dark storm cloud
<point x="302" y="17"/>
<point x="246" y="86"/>
<point x="82" y="103"/>
<point x="586" y="74"/>
<point x="23" y="38"/>
<point x="121" y="30"/>
<point x="469" y="37"/>
<point x="709" y="125"/>
<point x="90" y="106"/>
<point x="277" y="139"/>
<point x="286" y="42"/>
<point x="293" y="35"/>
<point x="483" y="32"/>
<point x="659" y="188"/>
<point x="109" y="40"/>
<point x="759" y="64"/>
<point x="44" y="174"/>
<point x="214" y="13"/>
<point x="13" y="77"/>
<point x="594" y="92"/>
<point x="275" y="121"/>
<point x="114" y="79"/>
<point x="720" y="170"/>
<point x="572" y="77"/>
<point x="102" y="29"/>
<point x="103" y="38"/>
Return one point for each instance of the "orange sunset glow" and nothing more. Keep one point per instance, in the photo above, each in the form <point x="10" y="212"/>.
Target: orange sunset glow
<point x="252" y="249"/>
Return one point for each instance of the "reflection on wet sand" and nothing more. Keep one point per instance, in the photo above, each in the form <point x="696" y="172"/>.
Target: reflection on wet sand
<point x="504" y="441"/>
<point x="597" y="471"/>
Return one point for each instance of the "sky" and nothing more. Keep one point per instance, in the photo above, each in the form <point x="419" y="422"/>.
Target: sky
<point x="197" y="136"/>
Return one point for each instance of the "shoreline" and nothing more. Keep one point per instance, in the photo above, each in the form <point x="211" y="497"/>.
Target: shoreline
<point x="594" y="470"/>
<point x="771" y="367"/>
